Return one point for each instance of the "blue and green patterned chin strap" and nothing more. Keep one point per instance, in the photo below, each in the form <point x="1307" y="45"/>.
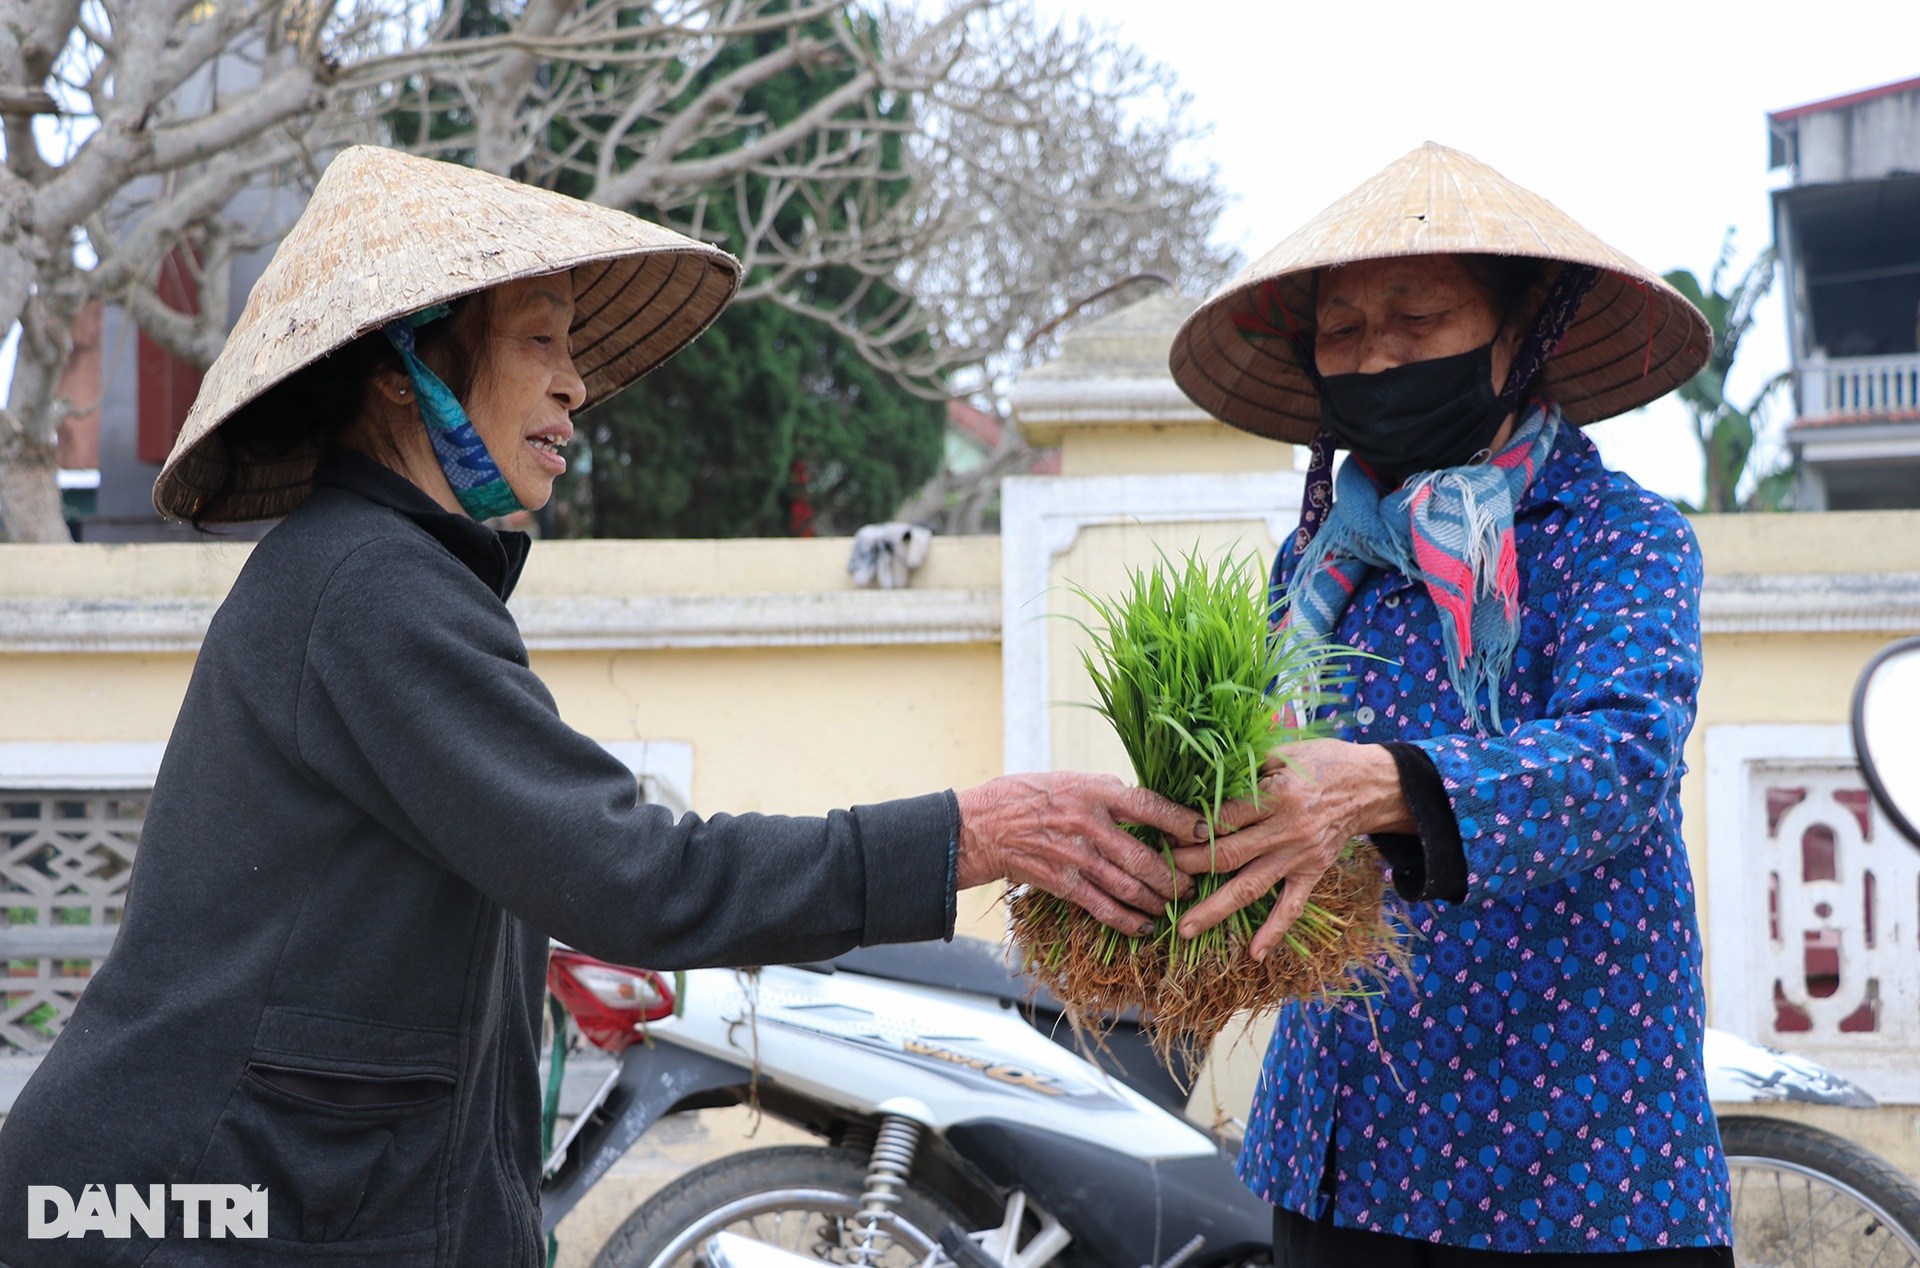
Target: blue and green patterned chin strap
<point x="471" y="470"/>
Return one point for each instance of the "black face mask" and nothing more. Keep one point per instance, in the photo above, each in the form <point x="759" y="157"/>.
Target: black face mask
<point x="1422" y="416"/>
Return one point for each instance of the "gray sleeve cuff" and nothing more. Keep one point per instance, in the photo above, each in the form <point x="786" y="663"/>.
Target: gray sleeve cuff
<point x="911" y="849"/>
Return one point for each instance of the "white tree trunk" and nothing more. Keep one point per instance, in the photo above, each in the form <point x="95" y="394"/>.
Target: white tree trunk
<point x="30" y="425"/>
<point x="30" y="496"/>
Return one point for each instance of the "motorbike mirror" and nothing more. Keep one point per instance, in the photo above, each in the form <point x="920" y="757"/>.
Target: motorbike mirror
<point x="1886" y="734"/>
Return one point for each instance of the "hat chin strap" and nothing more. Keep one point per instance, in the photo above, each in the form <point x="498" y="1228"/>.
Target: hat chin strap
<point x="469" y="467"/>
<point x="1557" y="311"/>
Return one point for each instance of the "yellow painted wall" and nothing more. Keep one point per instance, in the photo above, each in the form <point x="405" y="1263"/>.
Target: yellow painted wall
<point x="1834" y="541"/>
<point x="1135" y="448"/>
<point x="1098" y="562"/>
<point x="1784" y="678"/>
<point x="942" y="699"/>
<point x="204" y="570"/>
<point x="737" y="566"/>
<point x="796" y="730"/>
<point x="802" y="730"/>
<point x="783" y="729"/>
<point x="80" y="696"/>
<point x="91" y="697"/>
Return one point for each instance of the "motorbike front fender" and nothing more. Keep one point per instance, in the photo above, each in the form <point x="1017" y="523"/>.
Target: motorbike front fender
<point x="1123" y="1212"/>
<point x="655" y="1080"/>
<point x="1741" y="1072"/>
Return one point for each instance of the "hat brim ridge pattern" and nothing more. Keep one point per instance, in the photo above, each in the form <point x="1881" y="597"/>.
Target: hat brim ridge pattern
<point x="642" y="293"/>
<point x="1634" y="339"/>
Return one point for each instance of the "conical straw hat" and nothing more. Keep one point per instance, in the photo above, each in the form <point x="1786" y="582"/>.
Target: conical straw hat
<point x="386" y="234"/>
<point x="1635" y="337"/>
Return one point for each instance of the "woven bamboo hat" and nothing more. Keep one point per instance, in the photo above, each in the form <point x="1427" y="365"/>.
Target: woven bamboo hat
<point x="1633" y="338"/>
<point x="387" y="234"/>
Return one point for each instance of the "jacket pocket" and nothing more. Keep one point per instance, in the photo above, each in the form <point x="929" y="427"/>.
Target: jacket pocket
<point x="348" y="1148"/>
<point x="329" y="1090"/>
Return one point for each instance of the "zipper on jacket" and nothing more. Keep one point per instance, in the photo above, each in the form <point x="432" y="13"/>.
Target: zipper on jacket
<point x="509" y="1174"/>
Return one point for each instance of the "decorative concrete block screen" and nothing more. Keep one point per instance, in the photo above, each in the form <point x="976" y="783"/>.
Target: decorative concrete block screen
<point x="64" y="862"/>
<point x="1815" y="907"/>
<point x="1825" y="909"/>
<point x="66" y="853"/>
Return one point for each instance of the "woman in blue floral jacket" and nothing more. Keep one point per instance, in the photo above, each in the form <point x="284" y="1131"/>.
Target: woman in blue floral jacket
<point x="1532" y="1081"/>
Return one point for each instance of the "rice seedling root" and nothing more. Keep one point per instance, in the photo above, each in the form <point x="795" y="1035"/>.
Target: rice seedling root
<point x="1185" y="997"/>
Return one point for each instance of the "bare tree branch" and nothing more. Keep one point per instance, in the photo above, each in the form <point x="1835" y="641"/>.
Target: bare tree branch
<point x="166" y="111"/>
<point x="974" y="168"/>
<point x="957" y="178"/>
<point x="286" y="96"/>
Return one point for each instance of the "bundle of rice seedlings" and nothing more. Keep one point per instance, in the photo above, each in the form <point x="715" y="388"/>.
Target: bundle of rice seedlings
<point x="1199" y="693"/>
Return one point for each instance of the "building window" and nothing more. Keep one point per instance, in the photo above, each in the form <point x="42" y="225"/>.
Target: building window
<point x="167" y="384"/>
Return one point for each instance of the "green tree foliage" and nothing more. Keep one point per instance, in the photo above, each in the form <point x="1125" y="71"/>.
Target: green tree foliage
<point x="1726" y="431"/>
<point x="930" y="185"/>
<point x="770" y="423"/>
<point x="707" y="445"/>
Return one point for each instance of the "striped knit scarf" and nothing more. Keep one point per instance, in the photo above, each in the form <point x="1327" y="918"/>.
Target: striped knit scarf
<point x="1451" y="530"/>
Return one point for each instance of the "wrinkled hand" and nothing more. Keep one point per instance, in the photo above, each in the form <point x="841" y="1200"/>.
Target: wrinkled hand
<point x="1315" y="796"/>
<point x="1059" y="832"/>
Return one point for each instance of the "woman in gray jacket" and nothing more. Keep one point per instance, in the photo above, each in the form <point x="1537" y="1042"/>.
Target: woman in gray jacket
<point x="370" y="817"/>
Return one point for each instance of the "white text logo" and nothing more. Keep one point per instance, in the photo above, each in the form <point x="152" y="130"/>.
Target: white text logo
<point x="223" y="1210"/>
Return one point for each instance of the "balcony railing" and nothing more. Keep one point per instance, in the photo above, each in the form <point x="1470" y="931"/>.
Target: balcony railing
<point x="1860" y="387"/>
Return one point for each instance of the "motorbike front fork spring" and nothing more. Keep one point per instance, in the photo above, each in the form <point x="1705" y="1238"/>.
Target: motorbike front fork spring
<point x="892" y="1159"/>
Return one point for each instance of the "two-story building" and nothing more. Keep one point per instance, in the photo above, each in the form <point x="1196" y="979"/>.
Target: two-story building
<point x="1847" y="228"/>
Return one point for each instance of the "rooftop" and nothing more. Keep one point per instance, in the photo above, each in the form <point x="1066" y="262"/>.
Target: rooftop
<point x="1131" y="342"/>
<point x="1113" y="370"/>
<point x="1846" y="100"/>
<point x="1857" y="136"/>
<point x="982" y="428"/>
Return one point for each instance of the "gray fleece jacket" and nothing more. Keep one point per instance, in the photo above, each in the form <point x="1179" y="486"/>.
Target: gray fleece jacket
<point x="368" y="821"/>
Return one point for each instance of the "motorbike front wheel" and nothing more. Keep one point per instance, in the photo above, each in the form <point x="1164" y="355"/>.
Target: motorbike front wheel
<point x="799" y="1198"/>
<point x="1804" y="1198"/>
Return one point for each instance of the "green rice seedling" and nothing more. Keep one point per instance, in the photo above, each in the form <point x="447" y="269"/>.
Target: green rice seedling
<point x="1200" y="691"/>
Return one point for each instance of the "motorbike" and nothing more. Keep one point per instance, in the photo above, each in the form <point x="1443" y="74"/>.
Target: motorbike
<point x="963" y="1124"/>
<point x="956" y="1119"/>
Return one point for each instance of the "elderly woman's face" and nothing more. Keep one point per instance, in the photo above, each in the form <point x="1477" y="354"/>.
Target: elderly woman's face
<point x="527" y="388"/>
<point x="1378" y="314"/>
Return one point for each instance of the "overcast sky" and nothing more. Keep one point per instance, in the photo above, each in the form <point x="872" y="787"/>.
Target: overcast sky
<point x="1644" y="120"/>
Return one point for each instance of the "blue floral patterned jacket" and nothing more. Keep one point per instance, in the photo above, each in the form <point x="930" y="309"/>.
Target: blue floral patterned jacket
<point x="1534" y="1082"/>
